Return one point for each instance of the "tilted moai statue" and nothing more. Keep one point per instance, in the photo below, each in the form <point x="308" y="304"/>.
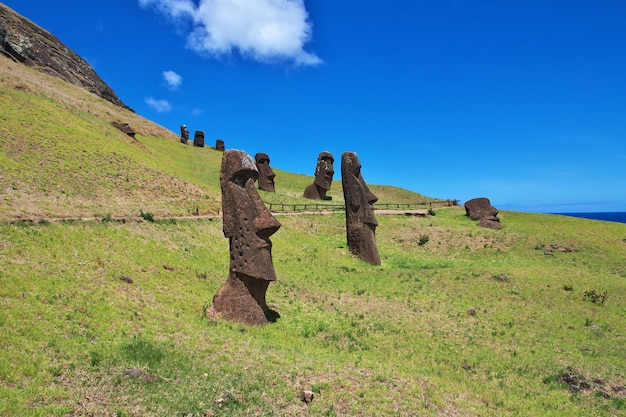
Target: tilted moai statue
<point x="247" y="224"/>
<point x="198" y="138"/>
<point x="481" y="209"/>
<point x="323" y="178"/>
<point x="360" y="220"/>
<point x="219" y="145"/>
<point x="184" y="134"/>
<point x="266" y="175"/>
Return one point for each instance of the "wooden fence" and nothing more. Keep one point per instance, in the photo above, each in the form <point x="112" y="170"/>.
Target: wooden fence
<point x="289" y="208"/>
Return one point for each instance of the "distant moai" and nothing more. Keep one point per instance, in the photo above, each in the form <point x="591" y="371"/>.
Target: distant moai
<point x="219" y="145"/>
<point x="124" y="127"/>
<point x="481" y="209"/>
<point x="198" y="138"/>
<point x="184" y="134"/>
<point x="360" y="220"/>
<point x="324" y="173"/>
<point x="247" y="224"/>
<point x="266" y="175"/>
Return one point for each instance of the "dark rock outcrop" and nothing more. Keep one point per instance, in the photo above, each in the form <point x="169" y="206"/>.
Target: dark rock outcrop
<point x="25" y="42"/>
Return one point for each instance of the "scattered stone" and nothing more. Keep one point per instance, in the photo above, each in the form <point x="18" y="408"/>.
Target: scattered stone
<point x="138" y="373"/>
<point x="169" y="268"/>
<point x="126" y="279"/>
<point x="467" y="366"/>
<point x="225" y="397"/>
<point x="491" y="222"/>
<point x="501" y="277"/>
<point x="471" y="312"/>
<point x="360" y="220"/>
<point x="307" y="396"/>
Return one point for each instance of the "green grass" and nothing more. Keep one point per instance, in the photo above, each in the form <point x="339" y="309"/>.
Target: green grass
<point x="458" y="320"/>
<point x="368" y="340"/>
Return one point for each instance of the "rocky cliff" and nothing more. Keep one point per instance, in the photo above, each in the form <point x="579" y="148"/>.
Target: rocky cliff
<point x="25" y="42"/>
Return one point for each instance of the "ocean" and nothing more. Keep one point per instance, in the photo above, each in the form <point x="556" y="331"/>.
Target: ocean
<point x="619" y="217"/>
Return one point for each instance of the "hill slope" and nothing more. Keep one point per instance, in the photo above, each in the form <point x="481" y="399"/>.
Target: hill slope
<point x="61" y="158"/>
<point x="105" y="318"/>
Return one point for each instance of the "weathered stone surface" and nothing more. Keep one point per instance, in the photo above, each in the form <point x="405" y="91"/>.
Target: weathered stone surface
<point x="198" y="138"/>
<point x="324" y="173"/>
<point x="124" y="127"/>
<point x="219" y="145"/>
<point x="491" y="222"/>
<point x="25" y="42"/>
<point x="307" y="396"/>
<point x="266" y="175"/>
<point x="184" y="134"/>
<point x="360" y="220"/>
<point x="481" y="209"/>
<point x="478" y="208"/>
<point x="248" y="224"/>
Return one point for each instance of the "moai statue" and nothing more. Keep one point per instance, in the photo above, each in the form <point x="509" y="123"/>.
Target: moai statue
<point x="481" y="209"/>
<point x="360" y="220"/>
<point x="184" y="134"/>
<point x="198" y="138"/>
<point x="323" y="178"/>
<point x="247" y="224"/>
<point x="219" y="145"/>
<point x="266" y="175"/>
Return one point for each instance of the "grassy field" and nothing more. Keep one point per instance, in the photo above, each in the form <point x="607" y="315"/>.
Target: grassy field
<point x="106" y="317"/>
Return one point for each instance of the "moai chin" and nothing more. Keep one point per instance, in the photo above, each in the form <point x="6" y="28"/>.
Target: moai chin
<point x="266" y="175"/>
<point x="247" y="224"/>
<point x="323" y="178"/>
<point x="360" y="220"/>
<point x="219" y="145"/>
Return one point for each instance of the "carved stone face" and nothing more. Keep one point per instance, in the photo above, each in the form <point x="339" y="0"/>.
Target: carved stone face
<point x="266" y="175"/>
<point x="360" y="220"/>
<point x="247" y="222"/>
<point x="324" y="170"/>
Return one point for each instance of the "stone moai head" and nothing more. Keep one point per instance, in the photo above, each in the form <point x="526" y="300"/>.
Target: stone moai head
<point x="481" y="209"/>
<point x="184" y="134"/>
<point x="219" y="145"/>
<point x="360" y="220"/>
<point x="266" y="175"/>
<point x="198" y="138"/>
<point x="247" y="224"/>
<point x="324" y="173"/>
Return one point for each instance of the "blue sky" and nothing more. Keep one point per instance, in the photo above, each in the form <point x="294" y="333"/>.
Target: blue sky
<point x="523" y="102"/>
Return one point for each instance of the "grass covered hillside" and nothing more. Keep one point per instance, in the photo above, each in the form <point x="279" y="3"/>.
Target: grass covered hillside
<point x="62" y="158"/>
<point x="106" y="318"/>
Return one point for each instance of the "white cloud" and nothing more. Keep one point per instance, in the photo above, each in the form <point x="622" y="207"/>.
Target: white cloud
<point x="266" y="30"/>
<point x="172" y="79"/>
<point x="161" y="106"/>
